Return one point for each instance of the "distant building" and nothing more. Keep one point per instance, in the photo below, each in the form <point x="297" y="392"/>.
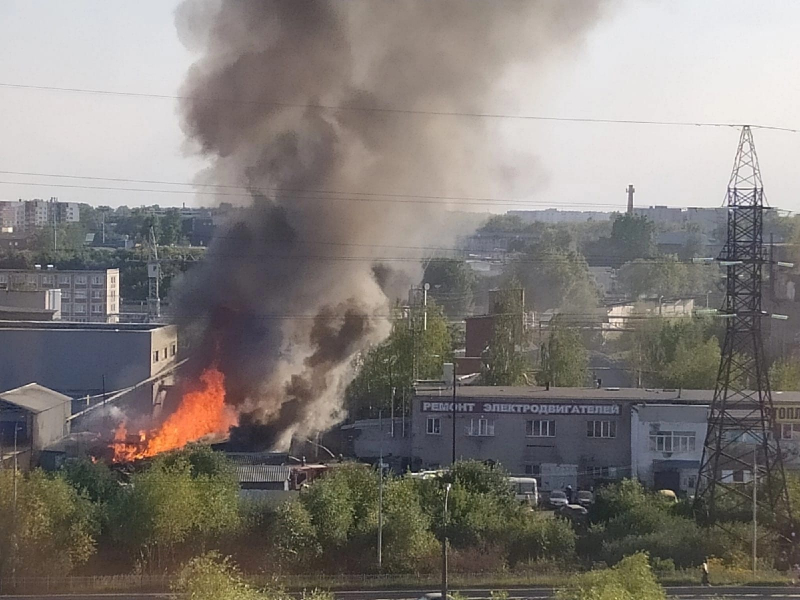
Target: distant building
<point x="14" y="241"/>
<point x="80" y="359"/>
<point x="36" y="417"/>
<point x="40" y="305"/>
<point x="12" y="216"/>
<point x="86" y="296"/>
<point x="554" y="215"/>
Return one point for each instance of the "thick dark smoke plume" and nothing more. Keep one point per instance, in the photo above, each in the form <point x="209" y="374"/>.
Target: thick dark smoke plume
<point x="298" y="284"/>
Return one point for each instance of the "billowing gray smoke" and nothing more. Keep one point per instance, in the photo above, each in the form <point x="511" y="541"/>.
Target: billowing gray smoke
<point x="288" y="293"/>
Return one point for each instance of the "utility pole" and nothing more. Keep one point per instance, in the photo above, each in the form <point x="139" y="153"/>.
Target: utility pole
<point x="380" y="493"/>
<point x="454" y="414"/>
<point x="444" y="543"/>
<point x="741" y="413"/>
<point x="153" y="278"/>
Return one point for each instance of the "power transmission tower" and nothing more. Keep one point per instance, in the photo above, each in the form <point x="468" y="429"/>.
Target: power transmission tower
<point x="153" y="278"/>
<point x="740" y="425"/>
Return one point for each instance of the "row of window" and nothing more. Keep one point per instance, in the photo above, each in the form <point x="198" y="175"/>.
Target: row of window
<point x="593" y="472"/>
<point x="49" y="280"/>
<point x="79" y="309"/>
<point x="81" y="295"/>
<point x="533" y="428"/>
<point x="673" y="441"/>
<point x="163" y="355"/>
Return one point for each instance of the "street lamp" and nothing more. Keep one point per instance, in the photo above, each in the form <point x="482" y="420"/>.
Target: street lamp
<point x="444" y="543"/>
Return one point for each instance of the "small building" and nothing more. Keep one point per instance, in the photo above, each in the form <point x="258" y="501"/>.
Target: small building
<point x="40" y="305"/>
<point x="263" y="477"/>
<point x="667" y="444"/>
<point x="32" y="417"/>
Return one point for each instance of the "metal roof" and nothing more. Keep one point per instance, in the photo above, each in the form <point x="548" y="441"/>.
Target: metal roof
<point x="35" y="398"/>
<point x="261" y="473"/>
<point x="539" y="394"/>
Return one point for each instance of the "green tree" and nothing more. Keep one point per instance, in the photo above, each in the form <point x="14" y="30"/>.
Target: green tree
<point x="784" y="374"/>
<point x="633" y="236"/>
<point x="51" y="525"/>
<point x="667" y="277"/>
<point x="676" y="353"/>
<point x="555" y="279"/>
<point x="631" y="579"/>
<point x="170" y="228"/>
<point x="408" y="540"/>
<point x="411" y="348"/>
<point x="504" y="362"/>
<point x="452" y="284"/>
<point x="565" y="360"/>
<point x="294" y="536"/>
<point x="182" y="497"/>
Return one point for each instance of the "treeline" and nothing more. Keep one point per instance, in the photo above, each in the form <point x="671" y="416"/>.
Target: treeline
<point x="132" y="265"/>
<point x="89" y="519"/>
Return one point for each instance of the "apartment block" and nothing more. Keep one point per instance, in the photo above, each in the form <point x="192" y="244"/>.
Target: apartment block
<point x="86" y="296"/>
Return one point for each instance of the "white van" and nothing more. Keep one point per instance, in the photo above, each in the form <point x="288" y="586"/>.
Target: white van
<point x="526" y="490"/>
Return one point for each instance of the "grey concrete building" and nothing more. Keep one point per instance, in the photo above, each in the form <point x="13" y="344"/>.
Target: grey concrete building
<point x="41" y="305"/>
<point x="563" y="436"/>
<point x="80" y="359"/>
<point x="32" y="417"/>
<point x="86" y="296"/>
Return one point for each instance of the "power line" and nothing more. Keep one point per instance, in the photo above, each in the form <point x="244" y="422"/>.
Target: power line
<point x="439" y="200"/>
<point x="391" y="110"/>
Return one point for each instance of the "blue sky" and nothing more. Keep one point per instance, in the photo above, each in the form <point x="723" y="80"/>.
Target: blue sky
<point x="709" y="60"/>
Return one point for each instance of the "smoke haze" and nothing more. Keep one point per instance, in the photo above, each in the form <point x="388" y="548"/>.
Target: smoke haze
<point x="293" y="289"/>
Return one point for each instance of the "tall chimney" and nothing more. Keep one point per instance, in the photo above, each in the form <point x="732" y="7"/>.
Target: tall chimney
<point x="630" y="191"/>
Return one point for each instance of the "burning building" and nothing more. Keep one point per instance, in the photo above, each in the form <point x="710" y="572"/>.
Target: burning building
<point x="339" y="122"/>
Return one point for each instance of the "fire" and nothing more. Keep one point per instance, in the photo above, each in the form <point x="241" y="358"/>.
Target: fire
<point x="200" y="413"/>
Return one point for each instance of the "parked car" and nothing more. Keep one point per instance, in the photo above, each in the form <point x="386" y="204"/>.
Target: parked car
<point x="573" y="512"/>
<point x="557" y="499"/>
<point x="585" y="498"/>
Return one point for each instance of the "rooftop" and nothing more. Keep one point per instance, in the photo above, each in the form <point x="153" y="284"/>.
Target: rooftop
<point x="66" y="325"/>
<point x="261" y="473"/>
<point x="34" y="398"/>
<point x="538" y="394"/>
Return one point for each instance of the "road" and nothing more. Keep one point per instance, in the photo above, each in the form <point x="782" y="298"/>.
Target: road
<point x="683" y="593"/>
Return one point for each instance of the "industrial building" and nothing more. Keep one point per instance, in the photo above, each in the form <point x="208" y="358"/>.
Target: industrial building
<point x="86" y="296"/>
<point x="32" y="417"/>
<point x="580" y="436"/>
<point x="39" y="305"/>
<point x="88" y="359"/>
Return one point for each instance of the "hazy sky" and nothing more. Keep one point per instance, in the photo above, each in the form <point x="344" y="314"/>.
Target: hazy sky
<point x="684" y="60"/>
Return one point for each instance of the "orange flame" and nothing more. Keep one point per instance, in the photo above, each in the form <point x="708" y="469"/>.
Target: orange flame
<point x="202" y="412"/>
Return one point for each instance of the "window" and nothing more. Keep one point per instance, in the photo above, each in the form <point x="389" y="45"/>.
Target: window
<point x="790" y="431"/>
<point x="64" y="280"/>
<point x="155" y="356"/>
<point x="31" y="279"/>
<point x="48" y="280"/>
<point x="66" y="307"/>
<point x="480" y="427"/>
<point x="80" y="295"/>
<point x="540" y="428"/>
<point x="691" y="482"/>
<point x="113" y="280"/>
<point x="80" y="279"/>
<point x="601" y="429"/>
<point x="3" y="278"/>
<point x="97" y="280"/>
<point x="97" y="309"/>
<point x="434" y="424"/>
<point x="165" y="352"/>
<point x="673" y="441"/>
<point x="97" y="294"/>
<point x="80" y="309"/>
<point x="533" y="470"/>
<point x="603" y="472"/>
<point x="174" y="349"/>
<point x="113" y="308"/>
